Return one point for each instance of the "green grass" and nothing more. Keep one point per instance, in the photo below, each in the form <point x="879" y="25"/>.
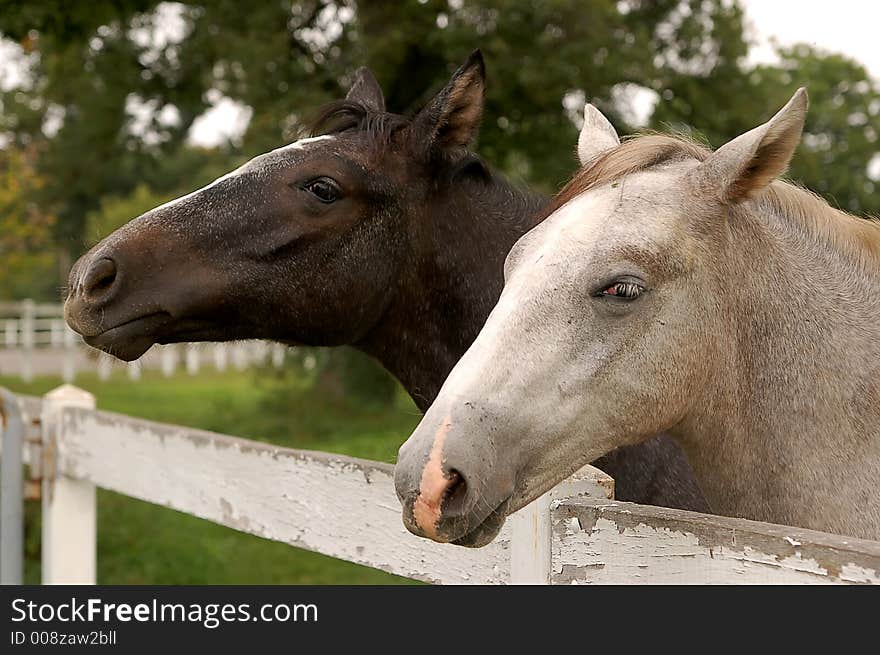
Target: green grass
<point x="140" y="543"/>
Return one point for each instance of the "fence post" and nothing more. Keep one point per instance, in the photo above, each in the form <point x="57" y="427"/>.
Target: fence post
<point x="531" y="528"/>
<point x="530" y="543"/>
<point x="69" y="517"/>
<point x="221" y="357"/>
<point x="68" y="371"/>
<point x="192" y="359"/>
<point x="11" y="491"/>
<point x="261" y="351"/>
<point x="278" y="355"/>
<point x="105" y="366"/>
<point x="168" y="360"/>
<point x="27" y="340"/>
<point x="134" y="370"/>
<point x="11" y="336"/>
<point x="56" y="333"/>
<point x="240" y="356"/>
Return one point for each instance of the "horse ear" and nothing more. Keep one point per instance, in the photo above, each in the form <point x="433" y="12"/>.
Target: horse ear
<point x="365" y="91"/>
<point x="742" y="168"/>
<point x="452" y="118"/>
<point x="597" y="135"/>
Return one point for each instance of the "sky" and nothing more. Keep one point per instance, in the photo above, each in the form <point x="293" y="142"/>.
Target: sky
<point x="851" y="27"/>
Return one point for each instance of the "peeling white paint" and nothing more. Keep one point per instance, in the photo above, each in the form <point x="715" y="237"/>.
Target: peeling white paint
<point x="347" y="508"/>
<point x="338" y="506"/>
<point x="627" y="550"/>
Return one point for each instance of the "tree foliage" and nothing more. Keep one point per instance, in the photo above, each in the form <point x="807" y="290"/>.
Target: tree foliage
<point x="842" y="128"/>
<point x="26" y="250"/>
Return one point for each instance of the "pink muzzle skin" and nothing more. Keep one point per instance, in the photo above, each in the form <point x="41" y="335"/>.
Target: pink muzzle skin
<point x="434" y="484"/>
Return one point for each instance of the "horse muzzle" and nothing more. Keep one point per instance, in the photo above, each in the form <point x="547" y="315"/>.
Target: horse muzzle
<point x="450" y="482"/>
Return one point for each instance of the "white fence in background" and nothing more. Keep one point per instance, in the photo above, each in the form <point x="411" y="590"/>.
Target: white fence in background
<point x="347" y="508"/>
<point x="35" y="340"/>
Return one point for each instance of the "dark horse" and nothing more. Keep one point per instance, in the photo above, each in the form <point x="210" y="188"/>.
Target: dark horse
<point x="386" y="232"/>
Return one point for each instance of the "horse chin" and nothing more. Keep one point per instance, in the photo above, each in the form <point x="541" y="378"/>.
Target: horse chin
<point x="192" y="330"/>
<point x="130" y="340"/>
<point x="486" y="531"/>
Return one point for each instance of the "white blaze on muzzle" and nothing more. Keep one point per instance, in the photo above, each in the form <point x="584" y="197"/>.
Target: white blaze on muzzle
<point x="428" y="506"/>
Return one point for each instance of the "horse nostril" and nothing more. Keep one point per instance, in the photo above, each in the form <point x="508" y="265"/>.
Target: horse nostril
<point x="455" y="495"/>
<point x="440" y="497"/>
<point x="99" y="279"/>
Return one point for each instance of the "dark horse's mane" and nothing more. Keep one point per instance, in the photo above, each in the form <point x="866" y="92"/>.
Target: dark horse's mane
<point x="342" y="115"/>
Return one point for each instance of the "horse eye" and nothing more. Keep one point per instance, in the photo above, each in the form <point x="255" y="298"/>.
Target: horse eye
<point x="324" y="189"/>
<point x="624" y="290"/>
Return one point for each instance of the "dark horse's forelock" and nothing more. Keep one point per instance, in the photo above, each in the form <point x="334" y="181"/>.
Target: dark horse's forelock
<point x="343" y="115"/>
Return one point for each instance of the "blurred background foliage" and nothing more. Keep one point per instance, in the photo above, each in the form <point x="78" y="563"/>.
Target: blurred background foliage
<point x="104" y="107"/>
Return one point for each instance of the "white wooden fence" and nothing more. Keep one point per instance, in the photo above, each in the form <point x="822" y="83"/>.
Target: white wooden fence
<point x="347" y="508"/>
<point x="35" y="340"/>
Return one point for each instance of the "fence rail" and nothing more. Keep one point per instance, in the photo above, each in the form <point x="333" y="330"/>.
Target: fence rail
<point x="347" y="508"/>
<point x="35" y="340"/>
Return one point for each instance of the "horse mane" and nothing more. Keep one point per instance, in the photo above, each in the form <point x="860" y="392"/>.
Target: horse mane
<point x="342" y="115"/>
<point x="853" y="235"/>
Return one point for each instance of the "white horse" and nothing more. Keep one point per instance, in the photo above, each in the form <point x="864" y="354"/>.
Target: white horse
<point x="680" y="290"/>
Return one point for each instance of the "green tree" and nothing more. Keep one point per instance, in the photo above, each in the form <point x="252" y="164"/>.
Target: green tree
<point x="116" y="211"/>
<point x="842" y="128"/>
<point x="27" y="260"/>
<point x="193" y="168"/>
<point x="841" y="133"/>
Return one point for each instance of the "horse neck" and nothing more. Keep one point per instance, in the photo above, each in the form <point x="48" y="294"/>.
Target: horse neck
<point x="790" y="432"/>
<point x="450" y="283"/>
